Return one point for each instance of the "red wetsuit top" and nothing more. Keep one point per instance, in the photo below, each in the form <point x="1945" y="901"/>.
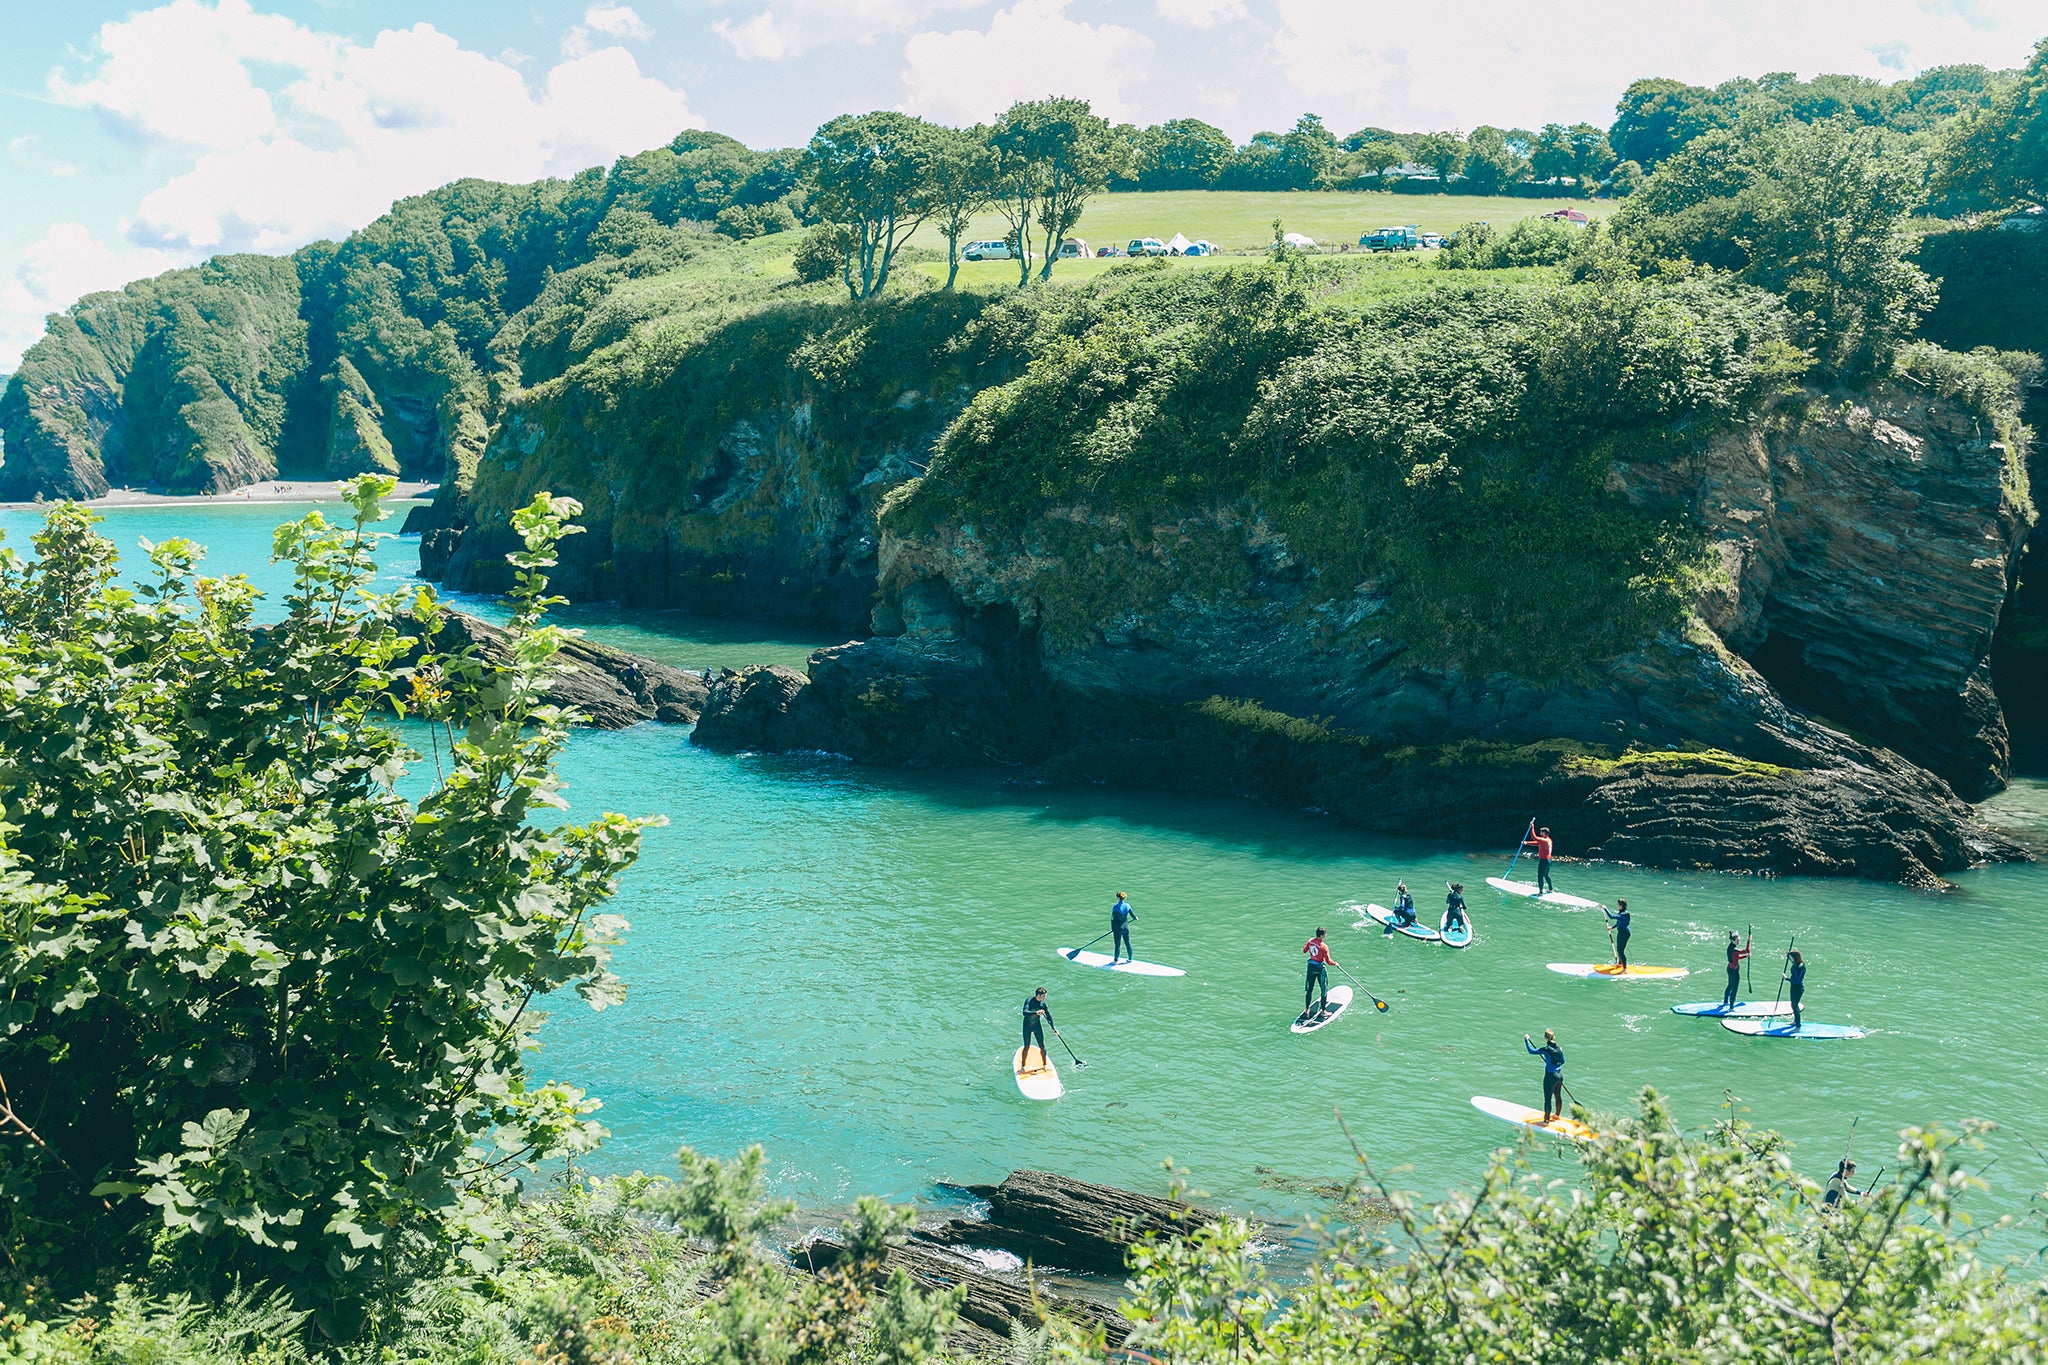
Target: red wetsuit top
<point x="1735" y="956"/>
<point x="1542" y="842"/>
<point x="1317" y="950"/>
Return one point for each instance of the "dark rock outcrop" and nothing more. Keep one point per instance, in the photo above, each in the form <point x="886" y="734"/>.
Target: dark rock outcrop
<point x="1051" y="1220"/>
<point x="993" y="1303"/>
<point x="612" y="688"/>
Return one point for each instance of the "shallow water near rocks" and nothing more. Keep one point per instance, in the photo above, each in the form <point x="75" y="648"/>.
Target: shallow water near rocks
<point x="829" y="960"/>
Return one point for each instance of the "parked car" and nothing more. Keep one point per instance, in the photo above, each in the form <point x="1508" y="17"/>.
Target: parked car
<point x="1392" y="239"/>
<point x="1576" y="217"/>
<point x="988" y="251"/>
<point x="1073" y="249"/>
<point x="1432" y="240"/>
<point x="1146" y="246"/>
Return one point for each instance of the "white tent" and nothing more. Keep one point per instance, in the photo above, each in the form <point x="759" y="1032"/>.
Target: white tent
<point x="1179" y="244"/>
<point x="1298" y="239"/>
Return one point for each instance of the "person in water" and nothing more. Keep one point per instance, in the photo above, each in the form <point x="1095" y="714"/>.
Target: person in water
<point x="1454" y="907"/>
<point x="1553" y="1072"/>
<point x="1541" y="843"/>
<point x="1736" y="953"/>
<point x="1841" y="1185"/>
<point x="1618" y="917"/>
<point x="1037" y="1014"/>
<point x="1120" y="917"/>
<point x="1404" y="905"/>
<point x="1795" y="977"/>
<point x="1319" y="964"/>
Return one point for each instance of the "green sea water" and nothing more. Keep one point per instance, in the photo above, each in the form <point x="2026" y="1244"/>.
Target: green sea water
<point x="830" y="960"/>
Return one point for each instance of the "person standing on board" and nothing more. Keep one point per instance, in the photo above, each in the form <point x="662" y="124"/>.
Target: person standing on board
<point x="1319" y="964"/>
<point x="1841" y="1185"/>
<point x="1553" y="1072"/>
<point x="1618" y="917"/>
<point x="1037" y="1014"/>
<point x="1120" y="917"/>
<point x="1454" y="906"/>
<point x="1795" y="977"/>
<point x="1540" y="841"/>
<point x="1404" y="905"/>
<point x="1736" y="954"/>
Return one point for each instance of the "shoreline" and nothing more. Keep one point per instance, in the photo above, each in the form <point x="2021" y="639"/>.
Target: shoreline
<point x="269" y="490"/>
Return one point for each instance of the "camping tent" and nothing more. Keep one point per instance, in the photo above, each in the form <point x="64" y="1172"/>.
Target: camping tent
<point x="1179" y="245"/>
<point x="1298" y="239"/>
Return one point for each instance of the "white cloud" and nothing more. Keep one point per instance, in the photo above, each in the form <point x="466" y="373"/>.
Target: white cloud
<point x="1202" y="13"/>
<point x="617" y="21"/>
<point x="66" y="262"/>
<point x="1030" y="50"/>
<point x="26" y="151"/>
<point x="783" y="29"/>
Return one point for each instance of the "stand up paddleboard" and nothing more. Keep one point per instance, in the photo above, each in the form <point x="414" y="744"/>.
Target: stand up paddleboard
<point x="1527" y="891"/>
<point x="1523" y="1116"/>
<point x="1742" y="1009"/>
<point x="1454" y="938"/>
<point x="1763" y="1028"/>
<point x="1041" y="1082"/>
<point x="1418" y="929"/>
<point x="1101" y="960"/>
<point x="1340" y="1001"/>
<point x="1613" y="972"/>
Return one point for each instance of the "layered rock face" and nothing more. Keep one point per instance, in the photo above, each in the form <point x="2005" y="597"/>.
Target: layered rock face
<point x="1878" y="535"/>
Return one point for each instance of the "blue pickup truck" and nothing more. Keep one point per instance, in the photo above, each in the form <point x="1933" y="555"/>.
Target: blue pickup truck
<point x="1392" y="239"/>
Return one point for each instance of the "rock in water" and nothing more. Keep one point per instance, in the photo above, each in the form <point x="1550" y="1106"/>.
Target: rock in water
<point x="993" y="1303"/>
<point x="612" y="688"/>
<point x="1051" y="1220"/>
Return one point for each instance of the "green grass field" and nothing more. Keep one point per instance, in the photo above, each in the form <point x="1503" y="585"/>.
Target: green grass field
<point x="1242" y="220"/>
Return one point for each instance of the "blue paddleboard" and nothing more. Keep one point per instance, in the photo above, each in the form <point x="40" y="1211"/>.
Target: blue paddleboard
<point x="1778" y="1028"/>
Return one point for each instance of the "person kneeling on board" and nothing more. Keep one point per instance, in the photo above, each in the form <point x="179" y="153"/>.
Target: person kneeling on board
<point x="1319" y="964"/>
<point x="1037" y="1014"/>
<point x="1795" y="977"/>
<point x="1542" y="844"/>
<point x="1454" y="907"/>
<point x="1404" y="905"/>
<point x="1841" y="1185"/>
<point x="1736" y="953"/>
<point x="1120" y="917"/>
<point x="1619" y="918"/>
<point x="1553" y="1072"/>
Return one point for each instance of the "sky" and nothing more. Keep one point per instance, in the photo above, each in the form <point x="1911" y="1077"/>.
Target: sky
<point x="143" y="137"/>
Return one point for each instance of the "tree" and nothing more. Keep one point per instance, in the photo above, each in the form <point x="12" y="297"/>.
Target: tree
<point x="1625" y="180"/>
<point x="1052" y="156"/>
<point x="1592" y="155"/>
<point x="2001" y="152"/>
<point x="1363" y="167"/>
<point x="1490" y="162"/>
<point x="1551" y="158"/>
<point x="1184" y="154"/>
<point x="1655" y="117"/>
<point x="269" y="1015"/>
<point x="871" y="173"/>
<point x="962" y="181"/>
<point x="1307" y="154"/>
<point x="1442" y="152"/>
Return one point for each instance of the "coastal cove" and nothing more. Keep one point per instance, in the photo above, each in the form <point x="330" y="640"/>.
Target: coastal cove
<point x="828" y="959"/>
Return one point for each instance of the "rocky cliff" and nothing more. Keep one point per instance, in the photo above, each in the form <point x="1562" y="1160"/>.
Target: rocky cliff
<point x="1812" y="703"/>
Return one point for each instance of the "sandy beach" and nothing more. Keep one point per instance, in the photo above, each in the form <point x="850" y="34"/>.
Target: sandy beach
<point x="270" y="490"/>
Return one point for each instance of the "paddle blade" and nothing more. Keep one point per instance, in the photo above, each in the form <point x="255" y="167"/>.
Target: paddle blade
<point x="1380" y="1005"/>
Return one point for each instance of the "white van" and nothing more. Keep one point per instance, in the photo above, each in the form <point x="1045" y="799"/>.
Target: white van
<point x="988" y="251"/>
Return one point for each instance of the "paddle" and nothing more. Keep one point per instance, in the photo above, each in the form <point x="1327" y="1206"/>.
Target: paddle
<point x="1529" y="834"/>
<point x="1748" y="960"/>
<point x="1078" y="1063"/>
<point x="1073" y="953"/>
<point x="1781" y="983"/>
<point x="1377" y="1003"/>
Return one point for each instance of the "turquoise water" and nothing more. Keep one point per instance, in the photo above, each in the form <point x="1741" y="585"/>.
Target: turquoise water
<point x="829" y="960"/>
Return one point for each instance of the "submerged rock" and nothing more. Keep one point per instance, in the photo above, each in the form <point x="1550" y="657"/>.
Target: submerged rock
<point x="1052" y="1220"/>
<point x="995" y="1304"/>
<point x="611" y="688"/>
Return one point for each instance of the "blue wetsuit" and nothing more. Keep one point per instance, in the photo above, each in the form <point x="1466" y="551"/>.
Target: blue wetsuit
<point x="1620" y="920"/>
<point x="1404" y="909"/>
<point x="1120" y="917"/>
<point x="1553" y="1075"/>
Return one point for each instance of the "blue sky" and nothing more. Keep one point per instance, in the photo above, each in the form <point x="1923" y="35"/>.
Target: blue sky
<point x="141" y="137"/>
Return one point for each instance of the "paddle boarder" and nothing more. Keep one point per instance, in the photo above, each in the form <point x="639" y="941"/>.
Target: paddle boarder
<point x="1737" y="953"/>
<point x="1553" y="1072"/>
<point x="1795" y="978"/>
<point x="1120" y="917"/>
<point x="1404" y="905"/>
<point x="1618" y="917"/>
<point x="1037" y="1014"/>
<point x="1319" y="964"/>
<point x="1454" y="907"/>
<point x="1841" y="1185"/>
<point x="1540" y="841"/>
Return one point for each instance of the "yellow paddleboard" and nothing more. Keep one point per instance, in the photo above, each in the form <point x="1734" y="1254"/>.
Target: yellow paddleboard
<point x="1523" y="1116"/>
<point x="1614" y="972"/>
<point x="1041" y="1082"/>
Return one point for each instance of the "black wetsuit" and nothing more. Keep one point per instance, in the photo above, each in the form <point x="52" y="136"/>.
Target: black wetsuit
<point x="1735" y="956"/>
<point x="1037" y="1014"/>
<point x="1454" y="910"/>
<point x="1120" y="917"/>
<point x="1553" y="1074"/>
<point x="1797" y="976"/>
<point x="1620" y="935"/>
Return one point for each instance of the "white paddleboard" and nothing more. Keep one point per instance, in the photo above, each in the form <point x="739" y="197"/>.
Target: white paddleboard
<point x="1608" y="971"/>
<point x="1340" y="1001"/>
<point x="1042" y="1081"/>
<point x="1523" y="1116"/>
<point x="1528" y="891"/>
<point x="1778" y="1028"/>
<point x="1744" y="1009"/>
<point x="1085" y="958"/>
<point x="1382" y="915"/>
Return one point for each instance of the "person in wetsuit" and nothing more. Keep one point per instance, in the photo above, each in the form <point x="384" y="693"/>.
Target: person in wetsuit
<point x="1037" y="1014"/>
<point x="1736" y="953"/>
<point x="1841" y="1185"/>
<point x="1404" y="905"/>
<point x="1541" y="843"/>
<point x="1618" y="917"/>
<point x="1553" y="1072"/>
<point x="1319" y="964"/>
<point x="1120" y="917"/>
<point x="1454" y="907"/>
<point x="1795" y="976"/>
